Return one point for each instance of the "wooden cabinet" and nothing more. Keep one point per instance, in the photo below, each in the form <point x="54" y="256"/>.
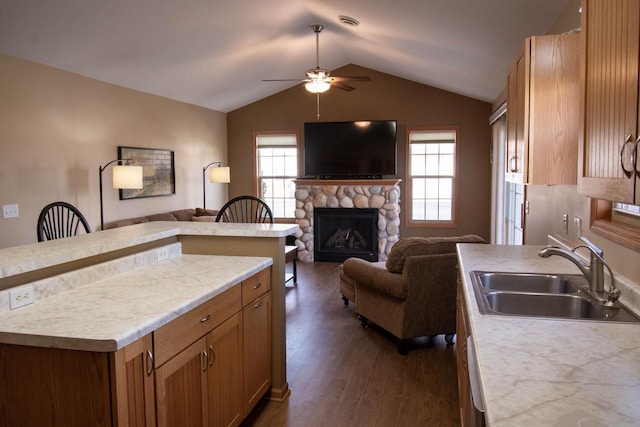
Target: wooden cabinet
<point x="461" y="355"/>
<point x="199" y="356"/>
<point x="257" y="337"/>
<point x="469" y="415"/>
<point x="543" y="101"/>
<point x="202" y="385"/>
<point x="134" y="384"/>
<point x="59" y="387"/>
<point x="609" y="134"/>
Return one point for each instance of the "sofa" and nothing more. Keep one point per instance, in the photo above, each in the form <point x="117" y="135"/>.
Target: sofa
<point x="413" y="293"/>
<point x="197" y="214"/>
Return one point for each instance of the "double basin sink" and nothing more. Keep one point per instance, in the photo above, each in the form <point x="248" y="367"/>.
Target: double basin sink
<point x="543" y="295"/>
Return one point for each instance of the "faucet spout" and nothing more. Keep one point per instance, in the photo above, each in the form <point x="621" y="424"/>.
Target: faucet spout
<point x="571" y="256"/>
<point x="594" y="272"/>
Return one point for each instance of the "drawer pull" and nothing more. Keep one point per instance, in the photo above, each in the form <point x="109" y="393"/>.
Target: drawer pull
<point x="258" y="286"/>
<point x="205" y="318"/>
<point x="258" y="305"/>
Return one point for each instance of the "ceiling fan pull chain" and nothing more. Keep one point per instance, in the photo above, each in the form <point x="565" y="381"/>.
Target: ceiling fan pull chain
<point x="317" y="106"/>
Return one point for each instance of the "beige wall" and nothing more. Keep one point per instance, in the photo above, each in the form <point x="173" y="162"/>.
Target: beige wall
<point x="57" y="128"/>
<point x="384" y="97"/>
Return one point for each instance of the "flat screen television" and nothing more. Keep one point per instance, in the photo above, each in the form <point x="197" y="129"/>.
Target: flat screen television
<point x="363" y="149"/>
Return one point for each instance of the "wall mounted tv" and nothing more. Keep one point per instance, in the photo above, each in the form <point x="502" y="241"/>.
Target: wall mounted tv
<point x="362" y="149"/>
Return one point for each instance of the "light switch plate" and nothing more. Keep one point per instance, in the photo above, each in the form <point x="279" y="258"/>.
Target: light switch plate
<point x="10" y="211"/>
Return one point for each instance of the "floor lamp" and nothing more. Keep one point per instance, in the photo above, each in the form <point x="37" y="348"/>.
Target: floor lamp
<point x="220" y="174"/>
<point x="124" y="177"/>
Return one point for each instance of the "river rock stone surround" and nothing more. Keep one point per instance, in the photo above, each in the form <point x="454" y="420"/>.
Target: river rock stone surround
<point x="383" y="195"/>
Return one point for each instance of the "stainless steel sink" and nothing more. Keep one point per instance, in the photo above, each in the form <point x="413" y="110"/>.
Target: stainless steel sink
<point x="543" y="295"/>
<point x="536" y="283"/>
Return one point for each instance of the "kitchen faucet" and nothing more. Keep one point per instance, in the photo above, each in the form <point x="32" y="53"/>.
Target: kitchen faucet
<point x="594" y="272"/>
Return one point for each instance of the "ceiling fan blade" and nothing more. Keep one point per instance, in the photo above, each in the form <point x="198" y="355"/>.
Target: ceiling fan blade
<point x="284" y="80"/>
<point x="351" y="78"/>
<point x="342" y="86"/>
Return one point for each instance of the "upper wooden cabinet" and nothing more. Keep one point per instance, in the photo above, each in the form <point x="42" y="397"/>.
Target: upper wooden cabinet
<point x="543" y="103"/>
<point x="609" y="78"/>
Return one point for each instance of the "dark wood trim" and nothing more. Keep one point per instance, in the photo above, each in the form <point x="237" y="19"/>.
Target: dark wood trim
<point x="602" y="223"/>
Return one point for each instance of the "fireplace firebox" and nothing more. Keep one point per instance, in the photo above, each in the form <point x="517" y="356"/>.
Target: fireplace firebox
<point x="340" y="233"/>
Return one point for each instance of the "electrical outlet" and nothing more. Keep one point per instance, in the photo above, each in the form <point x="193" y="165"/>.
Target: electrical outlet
<point x="10" y="211"/>
<point x="20" y="296"/>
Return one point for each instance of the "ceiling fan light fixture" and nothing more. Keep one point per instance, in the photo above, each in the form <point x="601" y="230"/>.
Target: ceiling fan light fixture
<point x="317" y="86"/>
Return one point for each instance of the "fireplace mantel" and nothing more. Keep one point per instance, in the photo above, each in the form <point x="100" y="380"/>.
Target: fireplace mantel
<point x="313" y="182"/>
<point x="381" y="194"/>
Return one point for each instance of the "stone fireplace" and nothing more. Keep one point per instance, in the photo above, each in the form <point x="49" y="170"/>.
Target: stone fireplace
<point x="379" y="196"/>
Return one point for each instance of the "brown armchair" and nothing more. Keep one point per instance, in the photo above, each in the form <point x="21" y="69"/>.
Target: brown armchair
<point x="413" y="294"/>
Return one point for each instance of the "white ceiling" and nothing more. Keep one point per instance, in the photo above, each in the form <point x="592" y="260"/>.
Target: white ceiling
<point x="214" y="53"/>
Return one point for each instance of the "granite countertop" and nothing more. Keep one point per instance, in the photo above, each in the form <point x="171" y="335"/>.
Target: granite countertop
<point x="26" y="258"/>
<point x="107" y="314"/>
<point x="550" y="372"/>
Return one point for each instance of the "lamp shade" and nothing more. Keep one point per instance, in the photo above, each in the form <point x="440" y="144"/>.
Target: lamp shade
<point x="127" y="177"/>
<point x="317" y="86"/>
<point x="221" y="174"/>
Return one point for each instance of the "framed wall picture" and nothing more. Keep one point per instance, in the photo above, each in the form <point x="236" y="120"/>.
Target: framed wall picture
<point x="159" y="177"/>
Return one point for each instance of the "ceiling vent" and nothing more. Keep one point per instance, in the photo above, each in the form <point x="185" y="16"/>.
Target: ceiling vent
<point x="347" y="20"/>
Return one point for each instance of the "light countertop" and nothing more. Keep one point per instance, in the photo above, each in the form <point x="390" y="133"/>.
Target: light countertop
<point x="550" y="372"/>
<point x="129" y="298"/>
<point x="26" y="258"/>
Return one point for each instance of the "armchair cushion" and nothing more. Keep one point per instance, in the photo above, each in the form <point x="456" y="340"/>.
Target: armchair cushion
<point x="376" y="276"/>
<point x="410" y="246"/>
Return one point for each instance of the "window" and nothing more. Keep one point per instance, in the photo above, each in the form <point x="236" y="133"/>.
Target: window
<point x="431" y="166"/>
<point x="277" y="167"/>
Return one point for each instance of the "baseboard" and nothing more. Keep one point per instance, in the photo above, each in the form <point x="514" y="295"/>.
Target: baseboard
<point x="279" y="394"/>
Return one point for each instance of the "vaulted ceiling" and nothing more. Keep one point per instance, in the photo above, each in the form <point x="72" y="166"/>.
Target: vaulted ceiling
<point x="215" y="53"/>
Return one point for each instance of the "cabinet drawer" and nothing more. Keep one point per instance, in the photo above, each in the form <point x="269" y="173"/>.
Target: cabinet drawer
<point x="186" y="329"/>
<point x="256" y="285"/>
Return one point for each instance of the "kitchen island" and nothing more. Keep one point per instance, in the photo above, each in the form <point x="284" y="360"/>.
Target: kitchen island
<point x="550" y="372"/>
<point x="173" y="248"/>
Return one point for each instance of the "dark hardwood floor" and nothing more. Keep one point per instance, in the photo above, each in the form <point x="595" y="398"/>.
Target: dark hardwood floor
<point x="342" y="374"/>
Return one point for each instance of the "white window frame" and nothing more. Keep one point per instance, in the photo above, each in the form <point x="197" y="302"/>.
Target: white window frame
<point x="277" y="140"/>
<point x="431" y="135"/>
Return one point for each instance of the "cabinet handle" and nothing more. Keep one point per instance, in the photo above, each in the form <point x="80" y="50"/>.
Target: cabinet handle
<point x="205" y="359"/>
<point x="629" y="140"/>
<point x="150" y="362"/>
<point x="258" y="286"/>
<point x="212" y="355"/>
<point x="635" y="156"/>
<point x="513" y="160"/>
<point x="258" y="305"/>
<point x="205" y="318"/>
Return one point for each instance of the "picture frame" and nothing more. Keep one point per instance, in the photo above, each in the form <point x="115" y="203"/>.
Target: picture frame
<point x="159" y="178"/>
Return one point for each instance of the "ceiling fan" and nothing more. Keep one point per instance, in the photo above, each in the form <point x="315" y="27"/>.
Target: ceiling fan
<point x="319" y="80"/>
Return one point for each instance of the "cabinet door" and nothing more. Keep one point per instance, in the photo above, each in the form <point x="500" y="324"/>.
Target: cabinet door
<point x="224" y="377"/>
<point x="181" y="388"/>
<point x="610" y="34"/>
<point x="516" y="120"/>
<point x="257" y="349"/>
<point x="461" y="356"/>
<point x="553" y="89"/>
<point x="132" y="371"/>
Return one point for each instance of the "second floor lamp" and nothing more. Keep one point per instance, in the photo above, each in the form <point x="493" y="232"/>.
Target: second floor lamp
<point x="124" y="177"/>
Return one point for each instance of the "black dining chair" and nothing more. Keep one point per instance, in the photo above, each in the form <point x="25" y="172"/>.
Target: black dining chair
<point x="250" y="209"/>
<point x="247" y="209"/>
<point x="60" y="219"/>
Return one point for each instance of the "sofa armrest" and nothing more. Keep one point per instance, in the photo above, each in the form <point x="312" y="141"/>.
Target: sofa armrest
<point x="375" y="275"/>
